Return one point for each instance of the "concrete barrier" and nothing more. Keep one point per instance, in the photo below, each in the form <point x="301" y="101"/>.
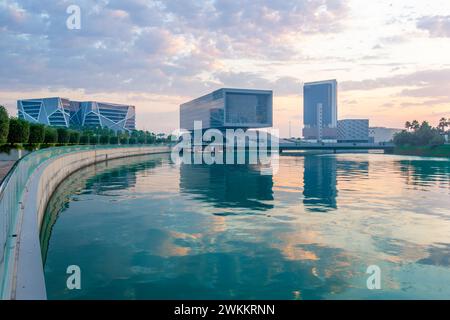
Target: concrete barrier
<point x="26" y="278"/>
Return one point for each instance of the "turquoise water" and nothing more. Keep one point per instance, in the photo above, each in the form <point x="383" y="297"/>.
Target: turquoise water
<point x="145" y="228"/>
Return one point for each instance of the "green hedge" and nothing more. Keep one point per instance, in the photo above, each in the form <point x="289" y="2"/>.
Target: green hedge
<point x="19" y="131"/>
<point x="37" y="133"/>
<point x="51" y="135"/>
<point x="4" y="125"/>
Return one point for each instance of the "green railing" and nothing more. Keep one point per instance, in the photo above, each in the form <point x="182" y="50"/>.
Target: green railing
<point x="11" y="192"/>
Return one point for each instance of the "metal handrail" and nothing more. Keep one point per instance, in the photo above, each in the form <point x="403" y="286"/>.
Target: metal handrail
<point x="13" y="186"/>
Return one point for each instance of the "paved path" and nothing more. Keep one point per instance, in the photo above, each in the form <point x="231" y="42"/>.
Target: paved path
<point x="4" y="168"/>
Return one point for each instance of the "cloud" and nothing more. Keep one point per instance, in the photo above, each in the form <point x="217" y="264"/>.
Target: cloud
<point x="437" y="26"/>
<point x="425" y="103"/>
<point x="426" y="83"/>
<point x="168" y="47"/>
<point x="280" y="86"/>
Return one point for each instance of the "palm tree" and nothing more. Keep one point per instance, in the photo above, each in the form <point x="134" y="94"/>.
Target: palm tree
<point x="408" y="125"/>
<point x="443" y="123"/>
<point x="415" y="125"/>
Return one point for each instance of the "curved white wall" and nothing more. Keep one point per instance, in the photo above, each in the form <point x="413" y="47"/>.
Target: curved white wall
<point x="26" y="280"/>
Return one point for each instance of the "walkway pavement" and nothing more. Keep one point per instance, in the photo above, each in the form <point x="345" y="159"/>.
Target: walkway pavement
<point x="5" y="166"/>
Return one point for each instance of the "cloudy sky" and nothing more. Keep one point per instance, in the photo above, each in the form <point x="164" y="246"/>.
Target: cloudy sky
<point x="391" y="58"/>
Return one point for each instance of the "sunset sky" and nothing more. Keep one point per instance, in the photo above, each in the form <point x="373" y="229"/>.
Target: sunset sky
<point x="391" y="58"/>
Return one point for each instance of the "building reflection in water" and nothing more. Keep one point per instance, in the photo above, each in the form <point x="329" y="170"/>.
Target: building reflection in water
<point x="118" y="177"/>
<point x="228" y="186"/>
<point x="425" y="173"/>
<point x="104" y="177"/>
<point x="243" y="186"/>
<point x="322" y="176"/>
<point x="319" y="189"/>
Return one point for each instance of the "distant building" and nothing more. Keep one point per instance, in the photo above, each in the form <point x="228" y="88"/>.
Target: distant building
<point x="61" y="112"/>
<point x="382" y="134"/>
<point x="353" y="130"/>
<point x="117" y="117"/>
<point x="49" y="111"/>
<point x="229" y="108"/>
<point x="320" y="110"/>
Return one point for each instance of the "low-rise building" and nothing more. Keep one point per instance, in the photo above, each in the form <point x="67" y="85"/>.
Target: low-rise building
<point x="382" y="134"/>
<point x="353" y="130"/>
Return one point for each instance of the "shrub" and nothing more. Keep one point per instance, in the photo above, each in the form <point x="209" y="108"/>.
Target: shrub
<point x="37" y="133"/>
<point x="114" y="140"/>
<point x="4" y="125"/>
<point x="74" y="137"/>
<point x="51" y="135"/>
<point x="141" y="139"/>
<point x="63" y="135"/>
<point x="437" y="141"/>
<point x="423" y="135"/>
<point x="402" y="138"/>
<point x="84" y="139"/>
<point x="104" y="139"/>
<point x="95" y="139"/>
<point x="19" y="131"/>
<point x="151" y="138"/>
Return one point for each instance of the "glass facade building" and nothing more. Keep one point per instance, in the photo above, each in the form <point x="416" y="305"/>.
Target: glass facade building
<point x="49" y="111"/>
<point x="62" y="112"/>
<point x="320" y="110"/>
<point x="229" y="108"/>
<point x="99" y="114"/>
<point x="382" y="134"/>
<point x="353" y="130"/>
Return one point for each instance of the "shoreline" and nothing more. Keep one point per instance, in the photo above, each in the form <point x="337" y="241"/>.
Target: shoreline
<point x="442" y="151"/>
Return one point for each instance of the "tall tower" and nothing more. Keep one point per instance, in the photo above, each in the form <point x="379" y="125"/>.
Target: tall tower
<point x="320" y="110"/>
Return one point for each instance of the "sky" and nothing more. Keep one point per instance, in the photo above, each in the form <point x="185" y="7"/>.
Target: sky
<point x="391" y="58"/>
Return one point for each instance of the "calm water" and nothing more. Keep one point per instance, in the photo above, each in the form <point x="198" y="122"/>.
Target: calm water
<point x="144" y="228"/>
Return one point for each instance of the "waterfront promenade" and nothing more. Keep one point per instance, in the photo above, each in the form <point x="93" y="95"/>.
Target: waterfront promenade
<point x="5" y="166"/>
<point x="23" y="198"/>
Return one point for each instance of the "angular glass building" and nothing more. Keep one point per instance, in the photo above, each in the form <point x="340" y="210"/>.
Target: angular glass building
<point x="49" y="111"/>
<point x="320" y="110"/>
<point x="65" y="113"/>
<point x="105" y="115"/>
<point x="229" y="108"/>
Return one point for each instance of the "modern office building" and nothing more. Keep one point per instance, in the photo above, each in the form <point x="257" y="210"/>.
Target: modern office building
<point x="320" y="110"/>
<point x="229" y="108"/>
<point x="382" y="134"/>
<point x="62" y="112"/>
<point x="117" y="117"/>
<point x="49" y="111"/>
<point x="353" y="130"/>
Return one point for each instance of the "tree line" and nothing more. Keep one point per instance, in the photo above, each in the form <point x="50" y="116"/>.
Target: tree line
<point x="18" y="131"/>
<point x="422" y="134"/>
